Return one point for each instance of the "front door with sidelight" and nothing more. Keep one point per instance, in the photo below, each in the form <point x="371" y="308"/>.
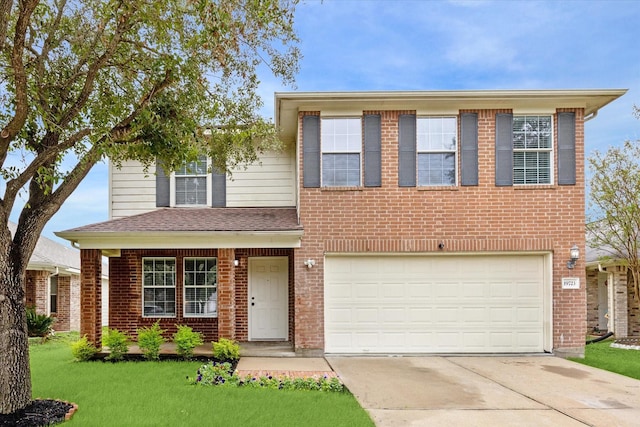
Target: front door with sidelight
<point x="268" y="298"/>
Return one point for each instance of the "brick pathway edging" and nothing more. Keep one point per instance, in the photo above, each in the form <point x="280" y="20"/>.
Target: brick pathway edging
<point x="285" y="374"/>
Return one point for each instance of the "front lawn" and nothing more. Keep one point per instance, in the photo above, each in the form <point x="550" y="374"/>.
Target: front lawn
<point x="158" y="394"/>
<point x="602" y="355"/>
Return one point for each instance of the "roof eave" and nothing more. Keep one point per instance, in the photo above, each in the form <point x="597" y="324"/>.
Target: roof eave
<point x="183" y="240"/>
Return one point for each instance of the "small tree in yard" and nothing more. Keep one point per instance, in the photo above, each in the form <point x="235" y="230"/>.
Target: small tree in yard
<point x="125" y="79"/>
<point x="614" y="205"/>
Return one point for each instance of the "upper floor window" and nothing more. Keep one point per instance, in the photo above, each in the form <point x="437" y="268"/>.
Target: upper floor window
<point x="191" y="183"/>
<point x="200" y="287"/>
<point x="436" y="146"/>
<point x="532" y="149"/>
<point x="341" y="142"/>
<point x="159" y="287"/>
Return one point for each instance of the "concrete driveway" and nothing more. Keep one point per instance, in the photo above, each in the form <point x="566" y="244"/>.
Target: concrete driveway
<point x="488" y="391"/>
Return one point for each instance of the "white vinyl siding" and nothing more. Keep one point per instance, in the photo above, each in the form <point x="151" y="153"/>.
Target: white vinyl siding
<point x="130" y="192"/>
<point x="267" y="183"/>
<point x="435" y="304"/>
<point x="270" y="182"/>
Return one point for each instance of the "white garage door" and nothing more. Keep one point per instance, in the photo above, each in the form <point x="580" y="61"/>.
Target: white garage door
<point x="434" y="304"/>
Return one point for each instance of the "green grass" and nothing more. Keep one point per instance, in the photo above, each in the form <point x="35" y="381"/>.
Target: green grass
<point x="158" y="394"/>
<point x="622" y="361"/>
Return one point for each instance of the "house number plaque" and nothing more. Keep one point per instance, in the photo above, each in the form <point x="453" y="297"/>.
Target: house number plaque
<point x="570" y="283"/>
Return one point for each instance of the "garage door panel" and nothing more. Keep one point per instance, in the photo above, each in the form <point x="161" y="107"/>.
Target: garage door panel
<point x="421" y="304"/>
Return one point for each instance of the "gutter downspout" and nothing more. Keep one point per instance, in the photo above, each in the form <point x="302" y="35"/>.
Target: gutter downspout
<point x="591" y="116"/>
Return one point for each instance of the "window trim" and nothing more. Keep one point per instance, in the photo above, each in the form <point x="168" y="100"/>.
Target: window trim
<point x="455" y="151"/>
<point x="209" y="180"/>
<point x="360" y="153"/>
<point x="52" y="278"/>
<point x="550" y="150"/>
<point x="175" y="287"/>
<point x="184" y="289"/>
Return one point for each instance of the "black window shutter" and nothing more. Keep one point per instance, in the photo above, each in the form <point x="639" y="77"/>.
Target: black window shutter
<point x="469" y="148"/>
<point x="311" y="151"/>
<point x="566" y="149"/>
<point x="218" y="189"/>
<point x="372" y="151"/>
<point x="504" y="149"/>
<point x="163" y="197"/>
<point x="407" y="150"/>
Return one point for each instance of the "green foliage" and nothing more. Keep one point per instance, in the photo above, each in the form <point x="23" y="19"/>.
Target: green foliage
<point x="226" y="350"/>
<point x="614" y="206"/>
<point x="186" y="339"/>
<point x="620" y="360"/>
<point x="39" y="325"/>
<point x="157" y="394"/>
<point x="118" y="343"/>
<point x="82" y="350"/>
<point x="150" y="340"/>
<point x="220" y="374"/>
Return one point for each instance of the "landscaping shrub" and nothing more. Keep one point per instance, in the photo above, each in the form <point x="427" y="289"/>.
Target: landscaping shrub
<point x="150" y="340"/>
<point x="118" y="343"/>
<point x="186" y="340"/>
<point x="82" y="350"/>
<point x="226" y="350"/>
<point x="39" y="325"/>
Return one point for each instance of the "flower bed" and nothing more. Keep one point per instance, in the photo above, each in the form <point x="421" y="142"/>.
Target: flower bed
<point x="223" y="374"/>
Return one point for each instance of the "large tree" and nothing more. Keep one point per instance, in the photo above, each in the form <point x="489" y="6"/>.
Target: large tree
<point x="81" y="80"/>
<point x="614" y="206"/>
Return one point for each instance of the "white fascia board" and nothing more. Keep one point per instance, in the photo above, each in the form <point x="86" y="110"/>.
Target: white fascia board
<point x="185" y="240"/>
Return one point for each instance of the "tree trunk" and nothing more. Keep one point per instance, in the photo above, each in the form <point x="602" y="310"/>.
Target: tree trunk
<point x="15" y="373"/>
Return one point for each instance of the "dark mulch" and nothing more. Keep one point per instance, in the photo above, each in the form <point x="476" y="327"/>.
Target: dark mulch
<point x="37" y="413"/>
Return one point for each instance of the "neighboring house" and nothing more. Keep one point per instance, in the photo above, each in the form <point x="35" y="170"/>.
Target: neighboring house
<point x="53" y="282"/>
<point x="612" y="305"/>
<point x="392" y="222"/>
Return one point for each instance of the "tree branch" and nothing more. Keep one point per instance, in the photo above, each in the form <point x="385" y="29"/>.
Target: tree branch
<point x="9" y="132"/>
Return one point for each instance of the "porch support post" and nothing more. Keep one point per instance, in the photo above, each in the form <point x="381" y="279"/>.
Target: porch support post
<point x="91" y="295"/>
<point x="226" y="294"/>
<point x="619" y="300"/>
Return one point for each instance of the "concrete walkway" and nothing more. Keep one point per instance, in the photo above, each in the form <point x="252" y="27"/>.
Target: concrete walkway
<point x="298" y="367"/>
<point x="488" y="391"/>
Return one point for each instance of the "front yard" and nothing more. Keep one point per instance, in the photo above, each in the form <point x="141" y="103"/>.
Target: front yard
<point x="158" y="394"/>
<point x="622" y="361"/>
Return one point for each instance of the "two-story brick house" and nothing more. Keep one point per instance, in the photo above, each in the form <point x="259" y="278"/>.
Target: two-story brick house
<point x="392" y="222"/>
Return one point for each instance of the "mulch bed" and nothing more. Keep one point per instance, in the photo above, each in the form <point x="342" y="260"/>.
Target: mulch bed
<point x="41" y="412"/>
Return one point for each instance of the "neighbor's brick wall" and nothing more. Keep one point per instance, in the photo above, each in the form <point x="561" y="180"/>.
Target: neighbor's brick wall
<point x="476" y="218"/>
<point x="75" y="309"/>
<point x="63" y="315"/>
<point x="633" y="309"/>
<point x="593" y="317"/>
<point x="36" y="292"/>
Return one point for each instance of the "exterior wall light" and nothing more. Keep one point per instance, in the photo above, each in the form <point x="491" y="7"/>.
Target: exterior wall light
<point x="574" y="253"/>
<point x="309" y="263"/>
<point x="236" y="262"/>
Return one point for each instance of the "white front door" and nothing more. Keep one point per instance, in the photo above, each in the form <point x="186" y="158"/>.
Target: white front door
<point x="268" y="298"/>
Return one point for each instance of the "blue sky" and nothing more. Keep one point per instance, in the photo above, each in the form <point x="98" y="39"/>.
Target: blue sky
<point x="354" y="45"/>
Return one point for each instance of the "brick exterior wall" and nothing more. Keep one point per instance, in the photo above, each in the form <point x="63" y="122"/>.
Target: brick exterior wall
<point x="90" y="295"/>
<point x="68" y="304"/>
<point x="125" y="292"/>
<point x="482" y="218"/>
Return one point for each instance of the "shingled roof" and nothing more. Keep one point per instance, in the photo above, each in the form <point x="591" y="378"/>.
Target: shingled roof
<point x="200" y="219"/>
